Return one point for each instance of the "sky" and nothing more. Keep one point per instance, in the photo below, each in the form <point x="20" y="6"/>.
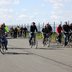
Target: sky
<point x="40" y="11"/>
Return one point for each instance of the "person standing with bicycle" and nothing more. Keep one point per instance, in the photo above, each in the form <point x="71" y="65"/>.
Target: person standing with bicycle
<point x="66" y="30"/>
<point x="33" y="29"/>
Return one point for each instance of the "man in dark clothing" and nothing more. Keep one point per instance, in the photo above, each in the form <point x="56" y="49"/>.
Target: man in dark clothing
<point x="12" y="31"/>
<point x="21" y="31"/>
<point x="49" y="28"/>
<point x="25" y="32"/>
<point x="47" y="31"/>
<point x="33" y="28"/>
<point x="15" y="33"/>
<point x="66" y="30"/>
<point x="71" y="26"/>
<point x="70" y="36"/>
<point x="66" y="27"/>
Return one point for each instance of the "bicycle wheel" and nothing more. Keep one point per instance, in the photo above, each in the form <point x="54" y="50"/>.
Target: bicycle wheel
<point x="32" y="42"/>
<point x="36" y="44"/>
<point x="3" y="48"/>
<point x="48" y="42"/>
<point x="70" y="41"/>
<point x="45" y="42"/>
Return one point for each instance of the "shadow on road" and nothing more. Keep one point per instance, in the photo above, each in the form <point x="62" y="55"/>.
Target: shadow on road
<point x="19" y="48"/>
<point x="51" y="48"/>
<point x="16" y="53"/>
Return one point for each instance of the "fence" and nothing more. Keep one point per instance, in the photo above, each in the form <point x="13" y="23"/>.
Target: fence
<point x="39" y="26"/>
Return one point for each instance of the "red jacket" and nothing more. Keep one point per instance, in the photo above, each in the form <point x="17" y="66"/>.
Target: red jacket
<point x="59" y="29"/>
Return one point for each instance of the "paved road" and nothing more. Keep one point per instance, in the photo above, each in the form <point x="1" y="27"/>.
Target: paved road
<point x="21" y="58"/>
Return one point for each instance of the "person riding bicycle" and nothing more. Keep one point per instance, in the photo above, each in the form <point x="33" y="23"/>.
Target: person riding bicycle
<point x="66" y="30"/>
<point x="12" y="32"/>
<point x="59" y="33"/>
<point x="70" y="32"/>
<point x="33" y="29"/>
<point x="25" y="31"/>
<point x="71" y="28"/>
<point x="3" y="35"/>
<point x="47" y="31"/>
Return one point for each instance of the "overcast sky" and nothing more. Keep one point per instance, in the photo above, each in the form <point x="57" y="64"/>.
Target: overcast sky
<point x="26" y="11"/>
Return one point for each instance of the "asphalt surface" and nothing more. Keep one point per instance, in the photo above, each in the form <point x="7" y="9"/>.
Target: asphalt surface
<point x="20" y="57"/>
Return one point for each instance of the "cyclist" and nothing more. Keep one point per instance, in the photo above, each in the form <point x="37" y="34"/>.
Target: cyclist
<point x="70" y="32"/>
<point x="59" y="33"/>
<point x="18" y="31"/>
<point x="33" y="28"/>
<point x="47" y="31"/>
<point x="25" y="32"/>
<point x="71" y="27"/>
<point x="0" y="35"/>
<point x="44" y="33"/>
<point x="3" y="35"/>
<point x="21" y="31"/>
<point x="66" y="30"/>
<point x="15" y="32"/>
<point x="12" y="31"/>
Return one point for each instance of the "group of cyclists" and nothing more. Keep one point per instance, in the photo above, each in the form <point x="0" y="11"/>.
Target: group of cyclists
<point x="66" y="32"/>
<point x="62" y="30"/>
<point x="18" y="32"/>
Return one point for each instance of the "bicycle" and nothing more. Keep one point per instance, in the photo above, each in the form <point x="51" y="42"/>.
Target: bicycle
<point x="66" y="38"/>
<point x="70" y="39"/>
<point x="58" y="40"/>
<point x="2" y="46"/>
<point x="47" y="41"/>
<point x="34" y="42"/>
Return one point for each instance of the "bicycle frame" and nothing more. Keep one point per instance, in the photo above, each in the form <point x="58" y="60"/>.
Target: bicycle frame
<point x="2" y="49"/>
<point x="47" y="41"/>
<point x="34" y="42"/>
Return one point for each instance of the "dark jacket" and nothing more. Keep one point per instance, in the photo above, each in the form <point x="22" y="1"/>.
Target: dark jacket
<point x="47" y="29"/>
<point x="71" y="27"/>
<point x="25" y="29"/>
<point x="2" y="31"/>
<point x="33" y="28"/>
<point x="66" y="28"/>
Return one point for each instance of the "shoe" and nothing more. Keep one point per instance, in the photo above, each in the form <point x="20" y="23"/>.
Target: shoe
<point x="6" y="48"/>
<point x="66" y="43"/>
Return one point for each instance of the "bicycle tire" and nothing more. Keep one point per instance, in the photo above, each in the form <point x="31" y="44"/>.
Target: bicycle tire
<point x="36" y="44"/>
